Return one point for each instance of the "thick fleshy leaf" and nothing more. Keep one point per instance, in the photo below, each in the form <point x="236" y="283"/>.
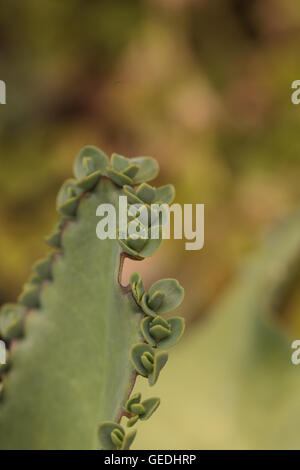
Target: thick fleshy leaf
<point x="68" y="191"/>
<point x="135" y="355"/>
<point x="160" y="321"/>
<point x="67" y="198"/>
<point x="148" y="169"/>
<point x="30" y="296"/>
<point x="11" y="321"/>
<point x="159" y="332"/>
<point x="90" y="181"/>
<point x="145" y="329"/>
<point x="140" y="213"/>
<point x="150" y="405"/>
<point x="144" y="304"/>
<point x="43" y="268"/>
<point x="165" y="194"/>
<point x="131" y="171"/>
<point x="127" y="249"/>
<point x="117" y="437"/>
<point x="173" y="291"/>
<point x="105" y="430"/>
<point x="69" y="207"/>
<point x="80" y="305"/>
<point x="35" y="279"/>
<point x="134" y="399"/>
<point x="136" y="243"/>
<point x="156" y="300"/>
<point x="162" y="333"/>
<point x="137" y="286"/>
<point x="149" y="248"/>
<point x="177" y="326"/>
<point x="137" y="409"/>
<point x="120" y="163"/>
<point x="54" y="239"/>
<point x="84" y="318"/>
<point x="119" y="178"/>
<point x="147" y="360"/>
<point x="131" y="195"/>
<point x="146" y="193"/>
<point x="132" y="421"/>
<point x="160" y="360"/>
<point x="97" y="161"/>
<point x="128" y="440"/>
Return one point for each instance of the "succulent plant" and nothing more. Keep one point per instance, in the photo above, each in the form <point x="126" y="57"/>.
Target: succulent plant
<point x="78" y="338"/>
<point x="162" y="333"/>
<point x="147" y="361"/>
<point x="135" y="409"/>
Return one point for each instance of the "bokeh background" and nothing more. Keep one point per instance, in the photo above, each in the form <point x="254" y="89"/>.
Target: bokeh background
<point x="204" y="86"/>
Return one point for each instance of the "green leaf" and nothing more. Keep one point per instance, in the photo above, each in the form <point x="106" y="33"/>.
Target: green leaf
<point x="98" y="161"/>
<point x="144" y="304"/>
<point x="150" y="405"/>
<point x="147" y="361"/>
<point x="105" y="431"/>
<point x="119" y="178"/>
<point x="156" y="300"/>
<point x="165" y="194"/>
<point x="117" y="437"/>
<point x="162" y="333"/>
<point x="11" y="321"/>
<point x="173" y="292"/>
<point x="68" y="197"/>
<point x="140" y="214"/>
<point x="137" y="286"/>
<point x="74" y="362"/>
<point x="128" y="440"/>
<point x="131" y="171"/>
<point x="72" y="369"/>
<point x="132" y="421"/>
<point x="177" y="326"/>
<point x="54" y="239"/>
<point x="144" y="250"/>
<point x="112" y="436"/>
<point x="145" y="329"/>
<point x="136" y="354"/>
<point x="43" y="268"/>
<point x="131" y="195"/>
<point x="30" y="296"/>
<point x="136" y="398"/>
<point x="146" y="193"/>
<point x="120" y="163"/>
<point x="151" y="246"/>
<point x="142" y="410"/>
<point x="148" y="169"/>
<point x="137" y="409"/>
<point x="160" y="360"/>
<point x="90" y="181"/>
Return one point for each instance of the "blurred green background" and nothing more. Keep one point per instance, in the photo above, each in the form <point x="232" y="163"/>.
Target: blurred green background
<point x="204" y="86"/>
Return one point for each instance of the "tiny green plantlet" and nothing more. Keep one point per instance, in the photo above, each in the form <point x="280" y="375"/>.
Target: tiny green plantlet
<point x="135" y="409"/>
<point x="77" y="338"/>
<point x="113" y="437"/>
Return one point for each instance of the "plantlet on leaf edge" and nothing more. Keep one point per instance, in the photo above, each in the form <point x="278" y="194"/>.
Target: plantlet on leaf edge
<point x="48" y="398"/>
